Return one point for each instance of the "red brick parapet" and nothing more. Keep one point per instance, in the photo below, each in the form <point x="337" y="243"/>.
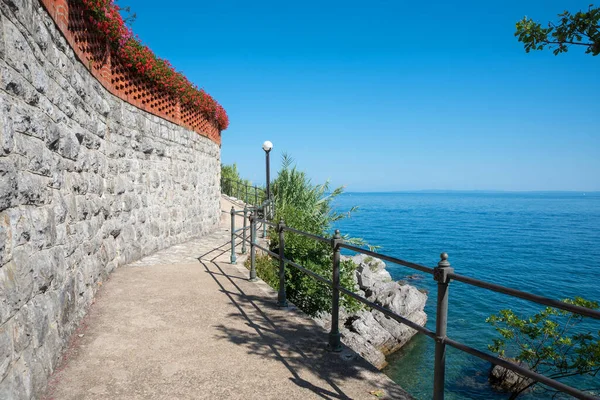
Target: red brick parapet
<point x="96" y="54"/>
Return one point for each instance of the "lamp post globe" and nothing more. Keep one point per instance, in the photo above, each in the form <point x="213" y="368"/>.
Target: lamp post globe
<point x="267" y="146"/>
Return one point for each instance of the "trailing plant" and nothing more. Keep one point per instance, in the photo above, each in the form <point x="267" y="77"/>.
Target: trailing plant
<point x="105" y="16"/>
<point x="548" y="343"/>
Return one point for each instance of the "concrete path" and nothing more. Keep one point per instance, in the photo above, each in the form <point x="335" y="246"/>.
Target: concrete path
<point x="186" y="324"/>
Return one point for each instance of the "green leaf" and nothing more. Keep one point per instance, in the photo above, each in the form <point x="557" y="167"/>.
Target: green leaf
<point x="544" y="342"/>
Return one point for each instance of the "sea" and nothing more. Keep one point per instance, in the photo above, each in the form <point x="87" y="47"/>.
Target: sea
<point x="544" y="243"/>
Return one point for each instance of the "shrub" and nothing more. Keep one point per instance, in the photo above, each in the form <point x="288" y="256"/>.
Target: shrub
<point x="267" y="269"/>
<point x="547" y="343"/>
<point x="233" y="185"/>
<point x="308" y="207"/>
<point x="230" y="172"/>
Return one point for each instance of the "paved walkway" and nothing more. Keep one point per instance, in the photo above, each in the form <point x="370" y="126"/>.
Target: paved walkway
<point x="186" y="324"/>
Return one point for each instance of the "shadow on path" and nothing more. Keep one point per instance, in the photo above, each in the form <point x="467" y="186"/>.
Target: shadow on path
<point x="290" y="337"/>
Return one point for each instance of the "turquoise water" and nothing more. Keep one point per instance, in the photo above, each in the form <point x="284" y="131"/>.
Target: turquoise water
<point x="543" y="243"/>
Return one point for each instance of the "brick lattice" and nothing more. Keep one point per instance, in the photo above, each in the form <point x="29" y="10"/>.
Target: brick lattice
<point x="95" y="53"/>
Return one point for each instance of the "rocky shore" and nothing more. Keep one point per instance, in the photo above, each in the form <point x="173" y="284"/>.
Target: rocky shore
<point x="371" y="333"/>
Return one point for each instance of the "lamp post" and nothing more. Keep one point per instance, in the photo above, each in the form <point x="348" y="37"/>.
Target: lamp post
<point x="267" y="146"/>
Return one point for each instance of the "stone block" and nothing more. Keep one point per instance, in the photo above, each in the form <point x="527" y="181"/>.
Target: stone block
<point x="39" y="78"/>
<point x="32" y="189"/>
<point x="67" y="303"/>
<point x="60" y="209"/>
<point x="2" y="48"/>
<point x="68" y="145"/>
<point x="39" y="159"/>
<point x="6" y="348"/>
<point x="37" y="373"/>
<point x="6" y="240"/>
<point x="88" y="140"/>
<point x="8" y="183"/>
<point x="22" y="329"/>
<point x="44" y="266"/>
<point x="20" y="273"/>
<point x="43" y="227"/>
<point x="6" y="128"/>
<point x="17" y="52"/>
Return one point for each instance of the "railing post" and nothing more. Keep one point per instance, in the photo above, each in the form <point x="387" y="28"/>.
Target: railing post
<point x="334" y="335"/>
<point x="232" y="258"/>
<point x="281" y="300"/>
<point x="264" y="226"/>
<point x="255" y="196"/>
<point x="253" y="247"/>
<point x="244" y="230"/>
<point x="440" y="274"/>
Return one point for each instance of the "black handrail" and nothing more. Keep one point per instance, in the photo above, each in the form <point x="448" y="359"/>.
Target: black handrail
<point x="394" y="260"/>
<point x="587" y="312"/>
<point x="240" y="189"/>
<point x="443" y="274"/>
<point x="309" y="235"/>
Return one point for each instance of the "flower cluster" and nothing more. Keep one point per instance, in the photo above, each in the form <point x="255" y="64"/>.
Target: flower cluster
<point x="105" y="16"/>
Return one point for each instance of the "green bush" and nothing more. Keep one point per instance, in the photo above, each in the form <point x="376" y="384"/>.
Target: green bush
<point x="308" y="207"/>
<point x="267" y="269"/>
<point x="550" y="342"/>
<point x="232" y="184"/>
<point x="230" y="172"/>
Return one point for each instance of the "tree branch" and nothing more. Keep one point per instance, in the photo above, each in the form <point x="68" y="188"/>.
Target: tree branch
<point x="567" y="42"/>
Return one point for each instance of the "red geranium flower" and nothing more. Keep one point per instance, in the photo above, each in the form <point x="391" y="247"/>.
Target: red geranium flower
<point x="104" y="15"/>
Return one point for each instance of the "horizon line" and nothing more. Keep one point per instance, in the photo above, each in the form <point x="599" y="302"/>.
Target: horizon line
<point x="474" y="191"/>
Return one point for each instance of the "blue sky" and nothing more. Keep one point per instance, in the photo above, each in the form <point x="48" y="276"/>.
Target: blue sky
<point x="390" y="95"/>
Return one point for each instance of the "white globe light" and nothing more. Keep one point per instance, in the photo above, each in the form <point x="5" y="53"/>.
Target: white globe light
<point x="267" y="146"/>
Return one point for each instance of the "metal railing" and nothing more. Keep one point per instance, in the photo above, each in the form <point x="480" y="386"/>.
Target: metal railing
<point x="241" y="190"/>
<point x="443" y="274"/>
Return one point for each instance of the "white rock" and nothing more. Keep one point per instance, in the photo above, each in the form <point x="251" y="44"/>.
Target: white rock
<point x="403" y="300"/>
<point x="360" y="345"/>
<point x="371" y="333"/>
<point x="367" y="327"/>
<point x="507" y="380"/>
<point x="370" y="271"/>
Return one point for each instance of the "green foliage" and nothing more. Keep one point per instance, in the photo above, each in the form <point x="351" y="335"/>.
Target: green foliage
<point x="266" y="269"/>
<point x="230" y="172"/>
<point x="301" y="292"/>
<point x="302" y="204"/>
<point x="308" y="207"/>
<point x="579" y="29"/>
<point x="234" y="185"/>
<point x="546" y="342"/>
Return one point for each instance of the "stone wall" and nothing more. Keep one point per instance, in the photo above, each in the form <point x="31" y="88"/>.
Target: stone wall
<point x="88" y="183"/>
